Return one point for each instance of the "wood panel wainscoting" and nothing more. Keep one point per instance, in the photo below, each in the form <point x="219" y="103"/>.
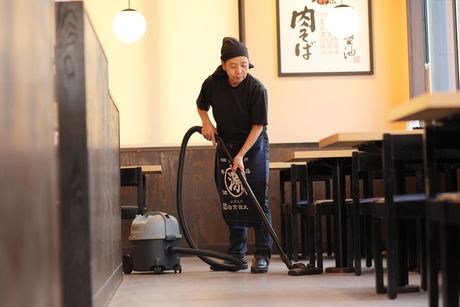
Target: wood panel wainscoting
<point x="200" y="198"/>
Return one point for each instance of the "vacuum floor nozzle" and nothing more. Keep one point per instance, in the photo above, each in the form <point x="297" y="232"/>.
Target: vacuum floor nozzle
<point x="299" y="269"/>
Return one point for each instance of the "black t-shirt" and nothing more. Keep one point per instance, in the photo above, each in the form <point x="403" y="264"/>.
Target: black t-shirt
<point x="235" y="109"/>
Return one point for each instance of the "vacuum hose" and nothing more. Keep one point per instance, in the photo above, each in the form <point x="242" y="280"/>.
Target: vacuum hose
<point x="235" y="263"/>
<point x="295" y="269"/>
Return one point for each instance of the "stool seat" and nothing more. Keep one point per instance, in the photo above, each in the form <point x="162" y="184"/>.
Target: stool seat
<point x="405" y="198"/>
<point x="450" y="197"/>
<point x="367" y="205"/>
<point x="324" y="202"/>
<point x="371" y="200"/>
<point x="322" y="206"/>
<point x="409" y="198"/>
<point x="407" y="205"/>
<point x="302" y="203"/>
<point x="446" y="206"/>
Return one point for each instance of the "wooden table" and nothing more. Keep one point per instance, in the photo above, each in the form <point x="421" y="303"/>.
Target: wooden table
<point x="427" y="107"/>
<point x="147" y="169"/>
<point x="337" y="159"/>
<point x="309" y="155"/>
<point x="277" y="166"/>
<point x="357" y="139"/>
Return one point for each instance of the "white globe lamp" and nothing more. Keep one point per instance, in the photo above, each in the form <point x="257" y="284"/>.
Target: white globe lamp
<point x="342" y="21"/>
<point x="129" y="26"/>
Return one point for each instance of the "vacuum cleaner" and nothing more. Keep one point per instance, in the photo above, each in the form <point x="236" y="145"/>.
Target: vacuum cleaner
<point x="155" y="235"/>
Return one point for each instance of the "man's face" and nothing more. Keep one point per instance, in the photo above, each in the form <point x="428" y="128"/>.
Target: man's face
<point x="236" y="69"/>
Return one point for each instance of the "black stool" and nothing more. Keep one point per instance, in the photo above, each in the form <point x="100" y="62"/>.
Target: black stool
<point x="366" y="168"/>
<point x="442" y="161"/>
<point x="296" y="177"/>
<point x="319" y="208"/>
<point x="131" y="177"/>
<point x="402" y="157"/>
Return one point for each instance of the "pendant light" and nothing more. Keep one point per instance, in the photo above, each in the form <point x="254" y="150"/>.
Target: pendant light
<point x="342" y="21"/>
<point x="129" y="25"/>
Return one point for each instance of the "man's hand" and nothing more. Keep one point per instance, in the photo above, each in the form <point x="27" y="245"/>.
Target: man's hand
<point x="238" y="164"/>
<point x="208" y="131"/>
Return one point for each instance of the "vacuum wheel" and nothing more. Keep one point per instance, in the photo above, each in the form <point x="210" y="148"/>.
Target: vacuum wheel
<point x="127" y="262"/>
<point x="157" y="269"/>
<point x="177" y="268"/>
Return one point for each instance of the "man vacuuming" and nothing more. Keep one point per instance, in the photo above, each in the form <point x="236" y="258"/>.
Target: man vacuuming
<point x="239" y="108"/>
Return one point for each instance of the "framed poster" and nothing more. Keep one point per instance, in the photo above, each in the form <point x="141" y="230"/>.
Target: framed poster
<point x="307" y="48"/>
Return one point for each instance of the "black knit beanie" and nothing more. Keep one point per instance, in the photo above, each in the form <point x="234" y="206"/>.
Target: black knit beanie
<point x="231" y="48"/>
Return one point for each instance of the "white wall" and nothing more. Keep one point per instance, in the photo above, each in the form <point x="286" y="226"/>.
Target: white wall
<point x="310" y="108"/>
<point x="156" y="81"/>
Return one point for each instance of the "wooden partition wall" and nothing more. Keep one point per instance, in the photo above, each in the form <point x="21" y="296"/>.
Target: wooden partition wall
<point x="89" y="163"/>
<point x="29" y="247"/>
<point x="201" y="201"/>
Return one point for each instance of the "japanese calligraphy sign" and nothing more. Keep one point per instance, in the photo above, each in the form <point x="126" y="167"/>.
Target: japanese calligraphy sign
<point x="306" y="47"/>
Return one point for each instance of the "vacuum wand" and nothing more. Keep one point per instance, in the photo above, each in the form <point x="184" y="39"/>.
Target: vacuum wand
<point x="295" y="269"/>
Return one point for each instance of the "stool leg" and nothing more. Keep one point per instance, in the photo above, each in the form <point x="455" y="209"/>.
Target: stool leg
<point x="287" y="229"/>
<point x="318" y="237"/>
<point x="329" y="235"/>
<point x="312" y="240"/>
<point x="328" y="222"/>
<point x="368" y="240"/>
<point x="294" y="235"/>
<point x="378" y="261"/>
<point x="304" y="235"/>
<point x="357" y="231"/>
<point x="283" y="225"/>
<point x="432" y="228"/>
<point x="413" y="262"/>
<point x="422" y="257"/>
<point x="449" y="262"/>
<point x="394" y="276"/>
<point x="350" y="243"/>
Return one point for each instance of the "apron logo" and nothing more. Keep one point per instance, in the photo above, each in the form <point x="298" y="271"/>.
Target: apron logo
<point x="233" y="184"/>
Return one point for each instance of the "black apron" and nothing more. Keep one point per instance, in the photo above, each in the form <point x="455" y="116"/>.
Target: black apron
<point x="238" y="209"/>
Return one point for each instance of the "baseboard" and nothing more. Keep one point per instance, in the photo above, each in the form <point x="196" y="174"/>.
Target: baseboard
<point x="104" y="294"/>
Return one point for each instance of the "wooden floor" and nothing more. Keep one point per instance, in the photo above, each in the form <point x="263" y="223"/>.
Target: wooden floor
<point x="198" y="286"/>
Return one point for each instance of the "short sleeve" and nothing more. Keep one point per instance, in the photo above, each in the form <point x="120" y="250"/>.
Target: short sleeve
<point x="259" y="108"/>
<point x="203" y="102"/>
